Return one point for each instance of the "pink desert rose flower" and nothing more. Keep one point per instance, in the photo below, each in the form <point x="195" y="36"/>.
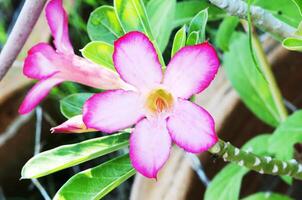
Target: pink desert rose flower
<point x="159" y="105"/>
<point x="53" y="66"/>
<point x="72" y="125"/>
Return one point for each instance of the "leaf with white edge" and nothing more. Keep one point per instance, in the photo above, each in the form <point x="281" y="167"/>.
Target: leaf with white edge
<point x="186" y="10"/>
<point x="198" y="24"/>
<point x="103" y="25"/>
<point x="230" y="177"/>
<point x="95" y="183"/>
<point x="161" y="14"/>
<point x="99" y="52"/>
<point x="193" y="38"/>
<point x="72" y="105"/>
<point x="267" y="196"/>
<point x="179" y="40"/>
<point x="133" y="17"/>
<point x="248" y="82"/>
<point x="66" y="156"/>
<point x="225" y="31"/>
<point x="293" y="43"/>
<point x="298" y="3"/>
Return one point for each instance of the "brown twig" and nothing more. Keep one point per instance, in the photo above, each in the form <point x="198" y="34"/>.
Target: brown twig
<point x="27" y="19"/>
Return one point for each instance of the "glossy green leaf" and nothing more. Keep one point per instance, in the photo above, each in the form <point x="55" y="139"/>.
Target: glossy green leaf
<point x="193" y="38"/>
<point x="285" y="136"/>
<point x="186" y="10"/>
<point x="133" y="16"/>
<point x="95" y="183"/>
<point x="285" y="10"/>
<point x="179" y="40"/>
<point x="99" y="52"/>
<point x="248" y="82"/>
<point x="198" y="24"/>
<point x="230" y="177"/>
<point x="225" y="31"/>
<point x="292" y="43"/>
<point x="66" y="156"/>
<point x="161" y="14"/>
<point x="103" y="25"/>
<point x="267" y="196"/>
<point x="72" y="105"/>
<point x="298" y="3"/>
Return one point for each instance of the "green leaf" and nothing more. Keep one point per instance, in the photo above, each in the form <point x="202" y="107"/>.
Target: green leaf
<point x="267" y="196"/>
<point x="198" y="24"/>
<point x="186" y="10"/>
<point x="95" y="183"/>
<point x="133" y="16"/>
<point x="285" y="10"/>
<point x="225" y="31"/>
<point x="248" y="82"/>
<point x="285" y="136"/>
<point x="99" y="52"/>
<point x="72" y="105"/>
<point x="161" y="14"/>
<point x="66" y="156"/>
<point x="293" y="43"/>
<point x="103" y="25"/>
<point x="193" y="38"/>
<point x="179" y="40"/>
<point x="298" y="3"/>
<point x="230" y="177"/>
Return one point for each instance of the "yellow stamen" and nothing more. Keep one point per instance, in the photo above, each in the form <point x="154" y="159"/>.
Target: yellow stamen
<point x="159" y="100"/>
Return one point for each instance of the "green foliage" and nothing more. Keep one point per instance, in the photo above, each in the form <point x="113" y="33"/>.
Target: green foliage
<point x="66" y="156"/>
<point x="298" y="3"/>
<point x="186" y="10"/>
<point x="267" y="196"/>
<point x="225" y="31"/>
<point x="230" y="177"/>
<point x="248" y="82"/>
<point x="179" y="40"/>
<point x="72" y="105"/>
<point x="99" y="52"/>
<point x="103" y="25"/>
<point x="95" y="183"/>
<point x="161" y="14"/>
<point x="198" y="25"/>
<point x="293" y="43"/>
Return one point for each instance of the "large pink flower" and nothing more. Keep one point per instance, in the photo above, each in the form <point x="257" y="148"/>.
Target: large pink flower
<point x="52" y="67"/>
<point x="159" y="105"/>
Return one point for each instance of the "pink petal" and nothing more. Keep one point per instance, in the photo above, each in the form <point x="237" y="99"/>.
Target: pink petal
<point x="58" y="22"/>
<point x="38" y="93"/>
<point x="191" y="70"/>
<point x="136" y="60"/>
<point x="39" y="62"/>
<point x="150" y="145"/>
<point x="112" y="111"/>
<point x="191" y="127"/>
<point x="72" y="125"/>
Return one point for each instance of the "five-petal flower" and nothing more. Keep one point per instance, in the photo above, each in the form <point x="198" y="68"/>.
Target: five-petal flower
<point x="52" y="67"/>
<point x="159" y="105"/>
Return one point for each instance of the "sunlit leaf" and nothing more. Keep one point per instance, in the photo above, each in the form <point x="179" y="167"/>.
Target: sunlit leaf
<point x="230" y="177"/>
<point x="298" y="3"/>
<point x="72" y="105"/>
<point x="198" y="24"/>
<point x="161" y="14"/>
<point x="99" y="52"/>
<point x="225" y="31"/>
<point x="103" y="25"/>
<point x="95" y="183"/>
<point x="66" y="156"/>
<point x="248" y="82"/>
<point x="193" y="38"/>
<point x="179" y="40"/>
<point x="293" y="43"/>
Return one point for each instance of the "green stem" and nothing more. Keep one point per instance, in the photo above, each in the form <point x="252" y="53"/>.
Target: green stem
<point x="268" y="74"/>
<point x="263" y="165"/>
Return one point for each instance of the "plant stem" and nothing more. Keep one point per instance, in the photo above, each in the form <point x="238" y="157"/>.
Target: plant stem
<point x="263" y="165"/>
<point x="262" y="18"/>
<point x="268" y="74"/>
